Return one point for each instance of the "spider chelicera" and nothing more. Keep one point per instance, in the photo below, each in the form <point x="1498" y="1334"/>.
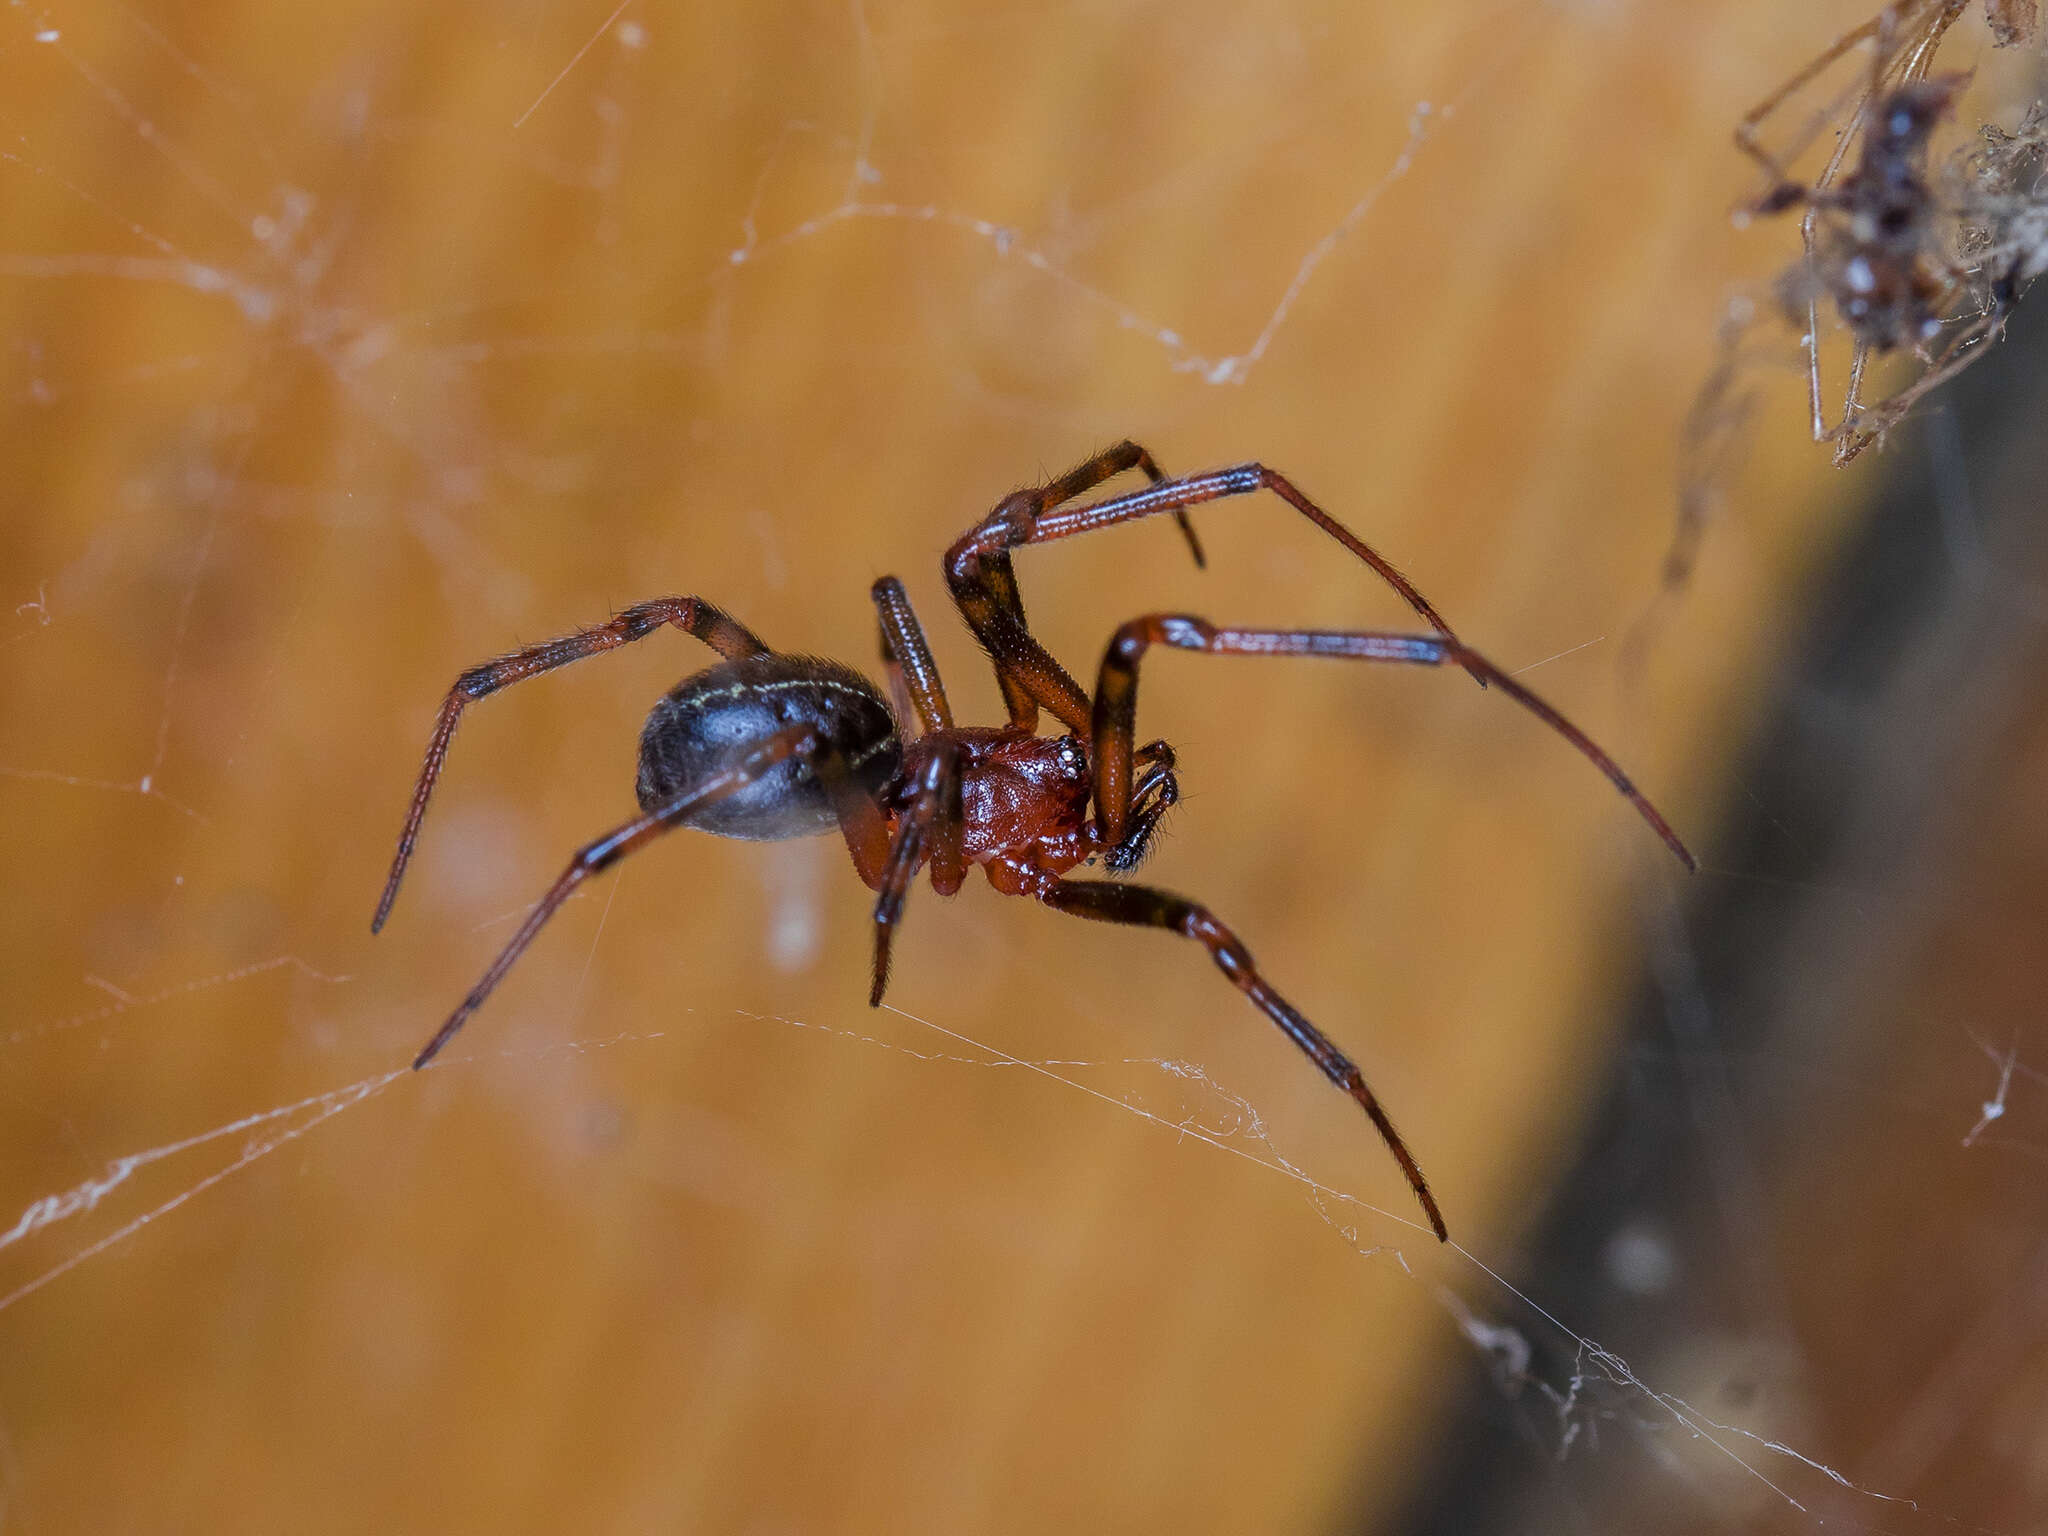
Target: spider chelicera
<point x="766" y="745"/>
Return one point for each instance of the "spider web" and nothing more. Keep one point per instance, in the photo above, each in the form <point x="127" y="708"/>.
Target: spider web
<point x="327" y="380"/>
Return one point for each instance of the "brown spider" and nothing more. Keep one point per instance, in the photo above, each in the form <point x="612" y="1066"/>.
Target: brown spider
<point x="765" y="745"/>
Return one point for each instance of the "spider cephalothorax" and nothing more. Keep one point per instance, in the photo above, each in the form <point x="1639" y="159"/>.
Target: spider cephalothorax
<point x="767" y="745"/>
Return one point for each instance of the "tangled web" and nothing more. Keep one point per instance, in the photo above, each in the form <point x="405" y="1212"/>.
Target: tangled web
<point x="347" y="348"/>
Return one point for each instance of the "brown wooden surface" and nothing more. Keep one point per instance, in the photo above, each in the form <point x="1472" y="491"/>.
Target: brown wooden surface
<point x="340" y="351"/>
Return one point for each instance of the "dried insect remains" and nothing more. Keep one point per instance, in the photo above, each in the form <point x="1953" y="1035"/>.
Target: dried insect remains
<point x="1914" y="253"/>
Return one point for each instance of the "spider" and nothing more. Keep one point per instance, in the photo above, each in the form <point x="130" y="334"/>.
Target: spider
<point x="767" y="745"/>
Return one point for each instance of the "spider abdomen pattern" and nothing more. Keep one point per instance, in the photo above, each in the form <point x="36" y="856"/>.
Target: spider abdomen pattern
<point x="709" y="723"/>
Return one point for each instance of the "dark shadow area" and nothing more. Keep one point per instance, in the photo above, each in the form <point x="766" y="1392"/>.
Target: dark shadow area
<point x="1775" y="1219"/>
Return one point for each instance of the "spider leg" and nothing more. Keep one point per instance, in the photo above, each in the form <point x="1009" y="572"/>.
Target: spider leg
<point x="935" y="823"/>
<point x="1112" y="461"/>
<point x="988" y="598"/>
<point x="861" y="823"/>
<point x="1116" y="698"/>
<point x="913" y="675"/>
<point x="724" y="634"/>
<point x="978" y="571"/>
<point x="1872" y="422"/>
<point x="797" y="741"/>
<point x="1145" y="906"/>
<point x="901" y="705"/>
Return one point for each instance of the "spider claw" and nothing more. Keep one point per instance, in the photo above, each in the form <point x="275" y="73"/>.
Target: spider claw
<point x="445" y="1033"/>
<point x="390" y="897"/>
<point x="1353" y="1083"/>
<point x="1436" y="1218"/>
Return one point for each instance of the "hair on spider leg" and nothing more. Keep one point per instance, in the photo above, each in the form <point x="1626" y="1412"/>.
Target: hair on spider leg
<point x="766" y="746"/>
<point x="1156" y="792"/>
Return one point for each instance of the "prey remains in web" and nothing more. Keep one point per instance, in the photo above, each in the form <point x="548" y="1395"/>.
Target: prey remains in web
<point x="1917" y="257"/>
<point x="769" y="745"/>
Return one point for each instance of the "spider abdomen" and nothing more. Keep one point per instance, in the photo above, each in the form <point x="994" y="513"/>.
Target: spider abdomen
<point x="707" y="723"/>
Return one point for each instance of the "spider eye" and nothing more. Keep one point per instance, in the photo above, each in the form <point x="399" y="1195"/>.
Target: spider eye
<point x="1070" y="753"/>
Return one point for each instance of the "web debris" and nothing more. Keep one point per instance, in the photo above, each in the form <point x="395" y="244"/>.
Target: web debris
<point x="298" y="1118"/>
<point x="2007" y="1062"/>
<point x="1425" y="120"/>
<point x="574" y="59"/>
<point x="1507" y="1349"/>
<point x="124" y="1002"/>
<point x="1913" y="260"/>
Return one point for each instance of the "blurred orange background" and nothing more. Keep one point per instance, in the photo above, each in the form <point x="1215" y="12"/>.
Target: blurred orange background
<point x="347" y="346"/>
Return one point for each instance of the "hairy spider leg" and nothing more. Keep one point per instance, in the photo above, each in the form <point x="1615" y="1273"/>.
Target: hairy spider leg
<point x="1148" y="907"/>
<point x="865" y="841"/>
<point x="936" y="816"/>
<point x="979" y="572"/>
<point x="723" y="633"/>
<point x="934" y="820"/>
<point x="913" y="675"/>
<point x="1112" y="461"/>
<point x="909" y="723"/>
<point x="1116" y="698"/>
<point x="989" y="596"/>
